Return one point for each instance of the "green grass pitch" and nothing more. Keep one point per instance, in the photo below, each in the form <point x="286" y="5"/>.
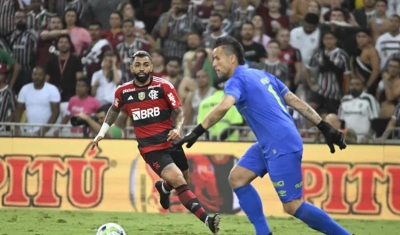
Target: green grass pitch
<point x="46" y="222"/>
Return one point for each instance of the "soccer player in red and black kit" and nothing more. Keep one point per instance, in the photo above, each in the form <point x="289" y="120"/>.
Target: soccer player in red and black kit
<point x="152" y="101"/>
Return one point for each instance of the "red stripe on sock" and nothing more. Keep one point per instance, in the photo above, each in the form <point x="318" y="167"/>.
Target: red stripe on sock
<point x="199" y="212"/>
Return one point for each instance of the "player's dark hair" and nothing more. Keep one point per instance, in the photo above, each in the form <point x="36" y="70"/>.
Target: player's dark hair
<point x="274" y="41"/>
<point x="217" y="15"/>
<point x="176" y="59"/>
<point x="96" y="23"/>
<point x="231" y="46"/>
<point x="247" y="23"/>
<point x="129" y="21"/>
<point x="104" y="108"/>
<point x="84" y="81"/>
<point x="140" y="54"/>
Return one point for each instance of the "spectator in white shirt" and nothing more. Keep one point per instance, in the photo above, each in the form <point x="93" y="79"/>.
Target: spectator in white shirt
<point x="41" y="101"/>
<point x="106" y="80"/>
<point x="358" y="109"/>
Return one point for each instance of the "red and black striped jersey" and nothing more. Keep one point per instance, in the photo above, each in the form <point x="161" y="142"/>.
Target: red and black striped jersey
<point x="150" y="107"/>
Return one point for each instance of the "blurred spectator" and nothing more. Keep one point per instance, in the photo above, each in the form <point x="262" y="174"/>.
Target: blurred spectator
<point x="227" y="23"/>
<point x="306" y="38"/>
<point x="8" y="63"/>
<point x="364" y="14"/>
<point x="82" y="102"/>
<point x="183" y="85"/>
<point x="80" y="36"/>
<point x="299" y="10"/>
<point x="232" y="118"/>
<point x="253" y="51"/>
<point x="63" y="69"/>
<point x="7" y="15"/>
<point x="337" y="4"/>
<point x="243" y="13"/>
<point x="7" y="102"/>
<point x="92" y="54"/>
<point x="273" y="65"/>
<point x="38" y="17"/>
<point x="174" y="28"/>
<point x="215" y="31"/>
<point x="366" y="64"/>
<point x="388" y="92"/>
<point x="94" y="123"/>
<point x="203" y="61"/>
<point x="338" y="17"/>
<point x="393" y="7"/>
<point x="194" y="43"/>
<point x="333" y="78"/>
<point x="394" y="120"/>
<point x="194" y="98"/>
<point x="41" y="101"/>
<point x="4" y="45"/>
<point x="114" y="35"/>
<point x="159" y="69"/>
<point x="130" y="45"/>
<point x="128" y="13"/>
<point x="100" y="11"/>
<point x="314" y="7"/>
<point x="259" y="31"/>
<point x="381" y="23"/>
<point x="106" y="80"/>
<point x="273" y="19"/>
<point x="23" y="44"/>
<point x="389" y="43"/>
<point x="204" y="10"/>
<point x="291" y="56"/>
<point x="47" y="42"/>
<point x="80" y="7"/>
<point x="350" y="135"/>
<point x="150" y="12"/>
<point x="358" y="109"/>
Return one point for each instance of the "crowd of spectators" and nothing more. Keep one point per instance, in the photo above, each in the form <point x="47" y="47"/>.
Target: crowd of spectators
<point x="61" y="60"/>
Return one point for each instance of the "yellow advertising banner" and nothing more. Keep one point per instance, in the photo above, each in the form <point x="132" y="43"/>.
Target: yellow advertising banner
<point x="361" y="182"/>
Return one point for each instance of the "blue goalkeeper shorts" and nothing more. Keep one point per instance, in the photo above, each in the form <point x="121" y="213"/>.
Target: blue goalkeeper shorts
<point x="284" y="171"/>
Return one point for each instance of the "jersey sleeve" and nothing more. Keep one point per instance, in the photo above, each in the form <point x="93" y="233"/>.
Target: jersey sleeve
<point x="118" y="103"/>
<point x="171" y="96"/>
<point x="233" y="88"/>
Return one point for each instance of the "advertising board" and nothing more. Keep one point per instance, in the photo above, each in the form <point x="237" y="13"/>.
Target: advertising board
<point x="361" y="182"/>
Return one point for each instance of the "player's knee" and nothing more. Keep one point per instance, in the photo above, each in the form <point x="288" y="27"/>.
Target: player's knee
<point x="292" y="206"/>
<point x="173" y="175"/>
<point x="238" y="179"/>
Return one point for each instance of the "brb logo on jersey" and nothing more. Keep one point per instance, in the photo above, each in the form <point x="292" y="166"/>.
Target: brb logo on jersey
<point x="140" y="114"/>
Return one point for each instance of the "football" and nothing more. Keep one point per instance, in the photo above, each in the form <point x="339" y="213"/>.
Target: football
<point x="110" y="229"/>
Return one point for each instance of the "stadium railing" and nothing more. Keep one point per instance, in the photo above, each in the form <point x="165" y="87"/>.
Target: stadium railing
<point x="10" y="129"/>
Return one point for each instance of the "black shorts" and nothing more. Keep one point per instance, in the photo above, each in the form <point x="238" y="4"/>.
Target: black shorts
<point x="325" y="105"/>
<point x="159" y="159"/>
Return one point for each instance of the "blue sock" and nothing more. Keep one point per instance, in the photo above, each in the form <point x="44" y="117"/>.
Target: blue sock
<point x="251" y="204"/>
<point x="319" y="220"/>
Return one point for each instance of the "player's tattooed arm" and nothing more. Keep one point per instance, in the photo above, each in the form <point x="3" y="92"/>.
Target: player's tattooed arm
<point x="302" y="107"/>
<point x="112" y="115"/>
<point x="180" y="118"/>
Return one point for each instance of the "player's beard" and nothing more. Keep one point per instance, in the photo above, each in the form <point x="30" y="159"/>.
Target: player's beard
<point x="141" y="78"/>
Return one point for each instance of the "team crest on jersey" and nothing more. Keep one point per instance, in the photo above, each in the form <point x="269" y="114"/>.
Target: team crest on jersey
<point x="141" y="95"/>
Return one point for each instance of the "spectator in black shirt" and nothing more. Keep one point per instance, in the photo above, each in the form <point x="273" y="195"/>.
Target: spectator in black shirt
<point x="63" y="69"/>
<point x="253" y="51"/>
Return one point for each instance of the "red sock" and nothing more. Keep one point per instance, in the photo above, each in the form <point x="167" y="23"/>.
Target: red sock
<point x="190" y="201"/>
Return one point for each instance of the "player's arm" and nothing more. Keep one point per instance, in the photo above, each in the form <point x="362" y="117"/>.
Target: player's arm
<point x="302" y="107"/>
<point x="180" y="118"/>
<point x="218" y="112"/>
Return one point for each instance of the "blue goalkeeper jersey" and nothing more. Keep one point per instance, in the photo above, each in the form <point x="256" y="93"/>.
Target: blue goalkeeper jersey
<point x="259" y="98"/>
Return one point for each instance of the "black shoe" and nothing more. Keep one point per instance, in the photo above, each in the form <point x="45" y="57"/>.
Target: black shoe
<point x="213" y="223"/>
<point x="164" y="197"/>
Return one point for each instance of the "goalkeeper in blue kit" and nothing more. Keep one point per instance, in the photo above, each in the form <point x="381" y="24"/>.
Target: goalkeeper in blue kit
<point x="262" y="99"/>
